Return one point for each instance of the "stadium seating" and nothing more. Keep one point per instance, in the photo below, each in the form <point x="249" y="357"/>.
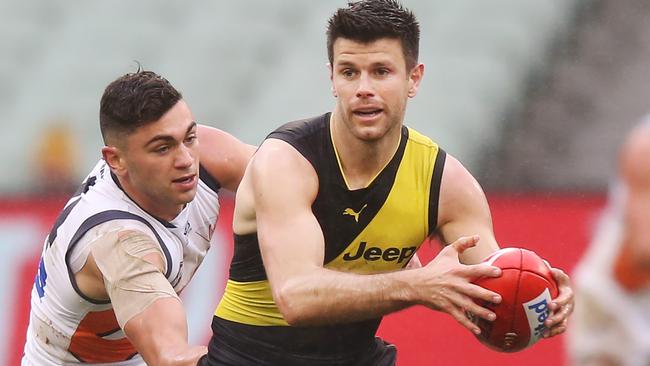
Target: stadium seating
<point x="247" y="66"/>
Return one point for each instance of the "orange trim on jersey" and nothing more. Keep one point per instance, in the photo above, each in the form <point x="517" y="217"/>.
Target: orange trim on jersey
<point x="629" y="274"/>
<point x="88" y="345"/>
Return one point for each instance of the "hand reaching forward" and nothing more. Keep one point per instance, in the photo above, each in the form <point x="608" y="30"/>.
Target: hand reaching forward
<point x="445" y="284"/>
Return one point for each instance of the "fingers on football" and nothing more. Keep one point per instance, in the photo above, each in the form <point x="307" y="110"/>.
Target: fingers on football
<point x="560" y="316"/>
<point x="475" y="271"/>
<point x="480" y="293"/>
<point x="564" y="286"/>
<point x="560" y="277"/>
<point x="479" y="311"/>
<point x="460" y="317"/>
<point x="463" y="300"/>
<point x="556" y="330"/>
<point x="564" y="302"/>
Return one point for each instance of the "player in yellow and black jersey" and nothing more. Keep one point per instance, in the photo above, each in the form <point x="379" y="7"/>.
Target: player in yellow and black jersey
<point x="403" y="196"/>
<point x="332" y="209"/>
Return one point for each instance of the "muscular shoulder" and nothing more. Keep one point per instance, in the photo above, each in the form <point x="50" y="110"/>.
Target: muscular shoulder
<point x="279" y="170"/>
<point x="460" y="193"/>
<point x="310" y="137"/>
<point x="278" y="157"/>
<point x="464" y="211"/>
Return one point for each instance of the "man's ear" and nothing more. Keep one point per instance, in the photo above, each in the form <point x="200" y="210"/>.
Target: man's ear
<point x="113" y="157"/>
<point x="331" y="72"/>
<point x="415" y="77"/>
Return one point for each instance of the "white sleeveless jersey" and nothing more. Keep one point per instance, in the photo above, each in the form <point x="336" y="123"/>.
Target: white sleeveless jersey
<point x="608" y="319"/>
<point x="68" y="328"/>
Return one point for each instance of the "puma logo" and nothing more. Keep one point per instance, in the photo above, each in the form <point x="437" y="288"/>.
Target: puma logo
<point x="349" y="211"/>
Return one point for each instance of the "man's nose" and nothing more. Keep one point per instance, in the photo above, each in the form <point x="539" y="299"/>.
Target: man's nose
<point x="184" y="158"/>
<point x="365" y="87"/>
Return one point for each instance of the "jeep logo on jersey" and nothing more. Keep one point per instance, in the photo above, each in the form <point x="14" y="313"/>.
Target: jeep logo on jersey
<point x="537" y="311"/>
<point x="375" y="253"/>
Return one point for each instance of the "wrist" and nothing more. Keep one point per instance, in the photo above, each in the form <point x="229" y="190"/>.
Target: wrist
<point x="403" y="289"/>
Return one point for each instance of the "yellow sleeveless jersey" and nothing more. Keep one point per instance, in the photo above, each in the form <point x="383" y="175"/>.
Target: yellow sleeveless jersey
<point x="370" y="230"/>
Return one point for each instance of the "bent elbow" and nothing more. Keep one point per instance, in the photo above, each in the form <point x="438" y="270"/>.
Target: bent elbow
<point x="293" y="310"/>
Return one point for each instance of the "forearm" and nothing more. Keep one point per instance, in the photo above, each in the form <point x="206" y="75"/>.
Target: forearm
<point x="159" y="334"/>
<point x="325" y="296"/>
<point x="144" y="302"/>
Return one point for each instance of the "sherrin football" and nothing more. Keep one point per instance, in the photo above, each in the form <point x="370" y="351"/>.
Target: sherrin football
<point x="526" y="287"/>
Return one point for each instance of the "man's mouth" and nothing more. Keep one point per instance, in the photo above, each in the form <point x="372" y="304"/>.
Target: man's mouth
<point x="185" y="179"/>
<point x="367" y="112"/>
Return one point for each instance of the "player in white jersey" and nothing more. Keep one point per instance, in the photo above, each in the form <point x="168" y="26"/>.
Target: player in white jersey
<point x="612" y="322"/>
<point x="131" y="238"/>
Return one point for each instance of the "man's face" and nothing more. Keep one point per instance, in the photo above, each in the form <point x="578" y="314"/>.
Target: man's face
<point x="372" y="85"/>
<point x="162" y="162"/>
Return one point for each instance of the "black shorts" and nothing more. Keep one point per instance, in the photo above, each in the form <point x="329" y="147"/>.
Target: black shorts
<point x="229" y="349"/>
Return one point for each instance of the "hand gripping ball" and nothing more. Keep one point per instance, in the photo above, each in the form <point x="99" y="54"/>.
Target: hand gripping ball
<point x="526" y="287"/>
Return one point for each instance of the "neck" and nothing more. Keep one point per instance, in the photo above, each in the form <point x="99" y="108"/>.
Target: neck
<point x="362" y="160"/>
<point x="149" y="204"/>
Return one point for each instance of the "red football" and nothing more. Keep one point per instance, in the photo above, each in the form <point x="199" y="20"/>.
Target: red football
<point x="526" y="287"/>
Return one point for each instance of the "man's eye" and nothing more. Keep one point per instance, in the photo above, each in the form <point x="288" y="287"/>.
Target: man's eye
<point x="348" y="73"/>
<point x="162" y="149"/>
<point x="383" y="72"/>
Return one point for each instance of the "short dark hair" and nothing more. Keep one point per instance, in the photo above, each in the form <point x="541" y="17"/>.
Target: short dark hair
<point x="366" y="21"/>
<point x="134" y="100"/>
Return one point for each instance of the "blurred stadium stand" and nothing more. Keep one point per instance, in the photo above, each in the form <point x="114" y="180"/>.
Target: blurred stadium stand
<point x="567" y="135"/>
<point x="248" y="66"/>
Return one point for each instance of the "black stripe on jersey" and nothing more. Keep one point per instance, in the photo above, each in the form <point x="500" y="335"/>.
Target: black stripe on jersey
<point x="208" y="179"/>
<point x="85" y="186"/>
<point x="106" y="334"/>
<point x="247" y="264"/>
<point x="334" y="198"/>
<point x="308" y="136"/>
<point x="434" y="194"/>
<point x="59" y="221"/>
<point x="312" y="138"/>
<point x="101" y="218"/>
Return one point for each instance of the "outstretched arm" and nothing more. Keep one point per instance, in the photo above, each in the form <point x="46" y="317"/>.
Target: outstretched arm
<point x="464" y="211"/>
<point x="292" y="246"/>
<point x="159" y="334"/>
<point x="130" y="266"/>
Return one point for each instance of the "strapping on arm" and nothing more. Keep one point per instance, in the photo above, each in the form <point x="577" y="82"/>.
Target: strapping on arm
<point x="125" y="259"/>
